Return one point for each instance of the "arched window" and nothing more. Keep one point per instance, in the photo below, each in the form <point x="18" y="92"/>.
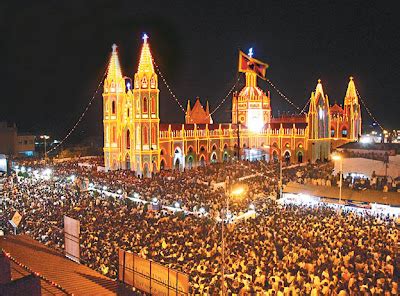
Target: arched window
<point x="153" y="105"/>
<point x="128" y="139"/>
<point x="114" y="134"/>
<point x="145" y="135"/>
<point x="344" y="133"/>
<point x="113" y="107"/>
<point x="332" y="132"/>
<point x="202" y="148"/>
<point x="190" y="150"/>
<point x="128" y="112"/>
<point x="144" y="105"/>
<point x="153" y="135"/>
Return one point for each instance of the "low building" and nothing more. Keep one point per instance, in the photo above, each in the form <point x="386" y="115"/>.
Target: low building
<point x="8" y="138"/>
<point x="25" y="145"/>
<point x="15" y="144"/>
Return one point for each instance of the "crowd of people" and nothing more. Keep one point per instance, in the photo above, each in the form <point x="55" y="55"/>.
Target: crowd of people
<point x="284" y="250"/>
<point x="324" y="176"/>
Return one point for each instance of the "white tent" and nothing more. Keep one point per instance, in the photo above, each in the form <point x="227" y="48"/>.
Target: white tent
<point x="3" y="163"/>
<point x="366" y="167"/>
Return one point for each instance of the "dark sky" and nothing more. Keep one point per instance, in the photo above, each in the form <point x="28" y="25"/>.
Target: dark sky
<point x="54" y="54"/>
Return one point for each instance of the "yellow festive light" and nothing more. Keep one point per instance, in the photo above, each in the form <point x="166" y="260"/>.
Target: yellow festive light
<point x="114" y="69"/>
<point x="146" y="60"/>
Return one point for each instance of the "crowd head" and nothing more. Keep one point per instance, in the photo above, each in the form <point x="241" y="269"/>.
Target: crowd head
<point x="284" y="250"/>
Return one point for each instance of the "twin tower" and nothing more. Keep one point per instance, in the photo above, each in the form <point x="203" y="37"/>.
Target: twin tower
<point x="131" y="116"/>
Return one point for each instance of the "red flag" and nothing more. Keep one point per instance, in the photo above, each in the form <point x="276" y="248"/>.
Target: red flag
<point x="248" y="64"/>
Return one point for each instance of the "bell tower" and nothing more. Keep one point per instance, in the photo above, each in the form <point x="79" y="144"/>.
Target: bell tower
<point x="113" y="97"/>
<point x="352" y="111"/>
<point x="146" y="152"/>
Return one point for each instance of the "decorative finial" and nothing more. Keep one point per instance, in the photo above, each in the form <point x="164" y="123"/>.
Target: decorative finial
<point x="250" y="54"/>
<point x="319" y="80"/>
<point x="114" y="47"/>
<point x="351" y="77"/>
<point x="145" y="37"/>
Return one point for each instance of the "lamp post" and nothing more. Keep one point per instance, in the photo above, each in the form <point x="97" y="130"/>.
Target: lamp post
<point x="45" y="137"/>
<point x="337" y="157"/>
<point x="236" y="192"/>
<point x="280" y="158"/>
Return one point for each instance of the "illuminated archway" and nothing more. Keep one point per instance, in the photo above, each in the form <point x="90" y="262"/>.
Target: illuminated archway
<point x="214" y="157"/>
<point x="286" y="156"/>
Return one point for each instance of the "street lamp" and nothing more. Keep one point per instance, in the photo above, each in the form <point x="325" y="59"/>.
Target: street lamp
<point x="45" y="137"/>
<point x="236" y="192"/>
<point x="339" y="158"/>
<point x="280" y="158"/>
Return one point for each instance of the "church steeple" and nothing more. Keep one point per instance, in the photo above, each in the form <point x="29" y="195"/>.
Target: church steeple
<point x="114" y="69"/>
<point x="146" y="60"/>
<point x="351" y="94"/>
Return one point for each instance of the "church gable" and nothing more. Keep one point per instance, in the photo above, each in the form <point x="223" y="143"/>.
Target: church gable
<point x="197" y="114"/>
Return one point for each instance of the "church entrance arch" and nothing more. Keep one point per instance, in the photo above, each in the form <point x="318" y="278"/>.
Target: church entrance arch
<point x="286" y="157"/>
<point x="162" y="165"/>
<point x="300" y="157"/>
<point x="202" y="161"/>
<point x="214" y="157"/>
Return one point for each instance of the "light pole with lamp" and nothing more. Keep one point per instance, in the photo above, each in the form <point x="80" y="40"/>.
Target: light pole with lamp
<point x="237" y="192"/>
<point x="338" y="157"/>
<point x="45" y="137"/>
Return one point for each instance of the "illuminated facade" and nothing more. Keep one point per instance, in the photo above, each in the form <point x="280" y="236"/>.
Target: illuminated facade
<point x="134" y="139"/>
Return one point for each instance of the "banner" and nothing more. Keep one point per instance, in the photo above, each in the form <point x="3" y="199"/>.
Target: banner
<point x="71" y="238"/>
<point x="16" y="219"/>
<point x="151" y="277"/>
<point x="249" y="64"/>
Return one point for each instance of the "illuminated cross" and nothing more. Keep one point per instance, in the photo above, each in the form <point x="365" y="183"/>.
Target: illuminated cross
<point x="145" y="37"/>
<point x="250" y="54"/>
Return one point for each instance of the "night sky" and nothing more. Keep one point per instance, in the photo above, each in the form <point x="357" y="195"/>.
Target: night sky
<point x="55" y="52"/>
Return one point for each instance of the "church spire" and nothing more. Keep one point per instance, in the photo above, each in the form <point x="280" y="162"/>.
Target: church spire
<point x="114" y="68"/>
<point x="319" y="89"/>
<point x="207" y="108"/>
<point x="351" y="93"/>
<point x="146" y="60"/>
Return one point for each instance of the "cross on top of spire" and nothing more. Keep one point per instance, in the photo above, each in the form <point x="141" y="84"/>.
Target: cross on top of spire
<point x="250" y="54"/>
<point x="114" y="47"/>
<point x="145" y="37"/>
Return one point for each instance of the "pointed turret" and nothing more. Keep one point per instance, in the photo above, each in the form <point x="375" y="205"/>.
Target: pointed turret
<point x="319" y="90"/>
<point x="146" y="60"/>
<point x="351" y="93"/>
<point x="352" y="110"/>
<point x="207" y="108"/>
<point x="114" y="69"/>
<point x="188" y="107"/>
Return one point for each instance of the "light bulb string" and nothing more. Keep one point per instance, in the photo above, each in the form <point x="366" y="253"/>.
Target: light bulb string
<point x="168" y="87"/>
<point x="282" y="94"/>
<point x="227" y="95"/>
<point x="368" y="111"/>
<point x="83" y="113"/>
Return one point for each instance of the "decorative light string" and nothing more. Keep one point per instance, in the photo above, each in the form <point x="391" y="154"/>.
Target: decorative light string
<point x="227" y="95"/>
<point x="167" y="85"/>
<point x="82" y="115"/>
<point x="305" y="106"/>
<point x="282" y="95"/>
<point x="49" y="281"/>
<point x="368" y="111"/>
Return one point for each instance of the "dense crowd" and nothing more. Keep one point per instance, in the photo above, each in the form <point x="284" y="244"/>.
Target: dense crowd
<point x="284" y="250"/>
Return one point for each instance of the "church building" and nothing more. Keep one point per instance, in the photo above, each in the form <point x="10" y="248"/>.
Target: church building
<point x="135" y="140"/>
